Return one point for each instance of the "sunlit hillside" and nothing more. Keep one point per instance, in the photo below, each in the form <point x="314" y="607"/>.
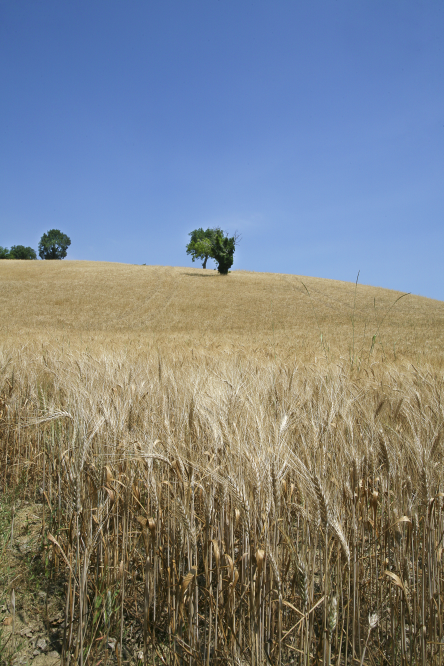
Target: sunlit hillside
<point x="161" y="305"/>
<point x="206" y="470"/>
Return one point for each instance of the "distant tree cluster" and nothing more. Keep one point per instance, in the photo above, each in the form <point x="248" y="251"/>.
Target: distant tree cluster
<point x="17" y="252"/>
<point x="213" y="244"/>
<point x="53" y="245"/>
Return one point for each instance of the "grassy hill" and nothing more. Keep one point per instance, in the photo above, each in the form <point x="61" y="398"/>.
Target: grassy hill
<point x="190" y="474"/>
<point x="130" y="305"/>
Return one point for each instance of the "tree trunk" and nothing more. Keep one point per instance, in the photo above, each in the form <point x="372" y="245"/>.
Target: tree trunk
<point x="204" y="265"/>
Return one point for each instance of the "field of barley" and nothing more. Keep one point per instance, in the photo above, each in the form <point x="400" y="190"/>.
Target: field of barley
<point x="227" y="470"/>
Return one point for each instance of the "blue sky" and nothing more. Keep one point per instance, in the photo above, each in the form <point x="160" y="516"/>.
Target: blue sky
<point x="314" y="128"/>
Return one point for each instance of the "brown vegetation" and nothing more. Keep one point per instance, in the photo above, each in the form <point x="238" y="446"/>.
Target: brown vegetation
<point x="124" y="306"/>
<point x="223" y="487"/>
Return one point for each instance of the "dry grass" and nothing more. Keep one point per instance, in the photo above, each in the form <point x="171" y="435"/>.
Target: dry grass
<point x="249" y="507"/>
<point x="139" y="306"/>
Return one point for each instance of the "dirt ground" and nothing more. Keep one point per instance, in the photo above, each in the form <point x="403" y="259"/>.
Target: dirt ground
<point x="33" y="633"/>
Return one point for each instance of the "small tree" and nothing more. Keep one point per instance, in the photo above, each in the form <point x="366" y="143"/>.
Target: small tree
<point x="215" y="244"/>
<point x="22" y="252"/>
<point x="200" y="245"/>
<point x="17" y="252"/>
<point x="223" y="252"/>
<point x="53" y="245"/>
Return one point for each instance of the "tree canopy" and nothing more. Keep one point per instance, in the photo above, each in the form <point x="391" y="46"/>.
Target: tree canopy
<point x="22" y="252"/>
<point x="214" y="244"/>
<point x="200" y="245"/>
<point x="53" y="245"/>
<point x="223" y="252"/>
<point x="17" y="252"/>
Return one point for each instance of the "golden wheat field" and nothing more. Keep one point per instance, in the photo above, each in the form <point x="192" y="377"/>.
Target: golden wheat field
<point x="131" y="306"/>
<point x="230" y="470"/>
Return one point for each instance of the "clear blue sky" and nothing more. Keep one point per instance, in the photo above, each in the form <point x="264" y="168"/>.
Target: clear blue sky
<point x="314" y="128"/>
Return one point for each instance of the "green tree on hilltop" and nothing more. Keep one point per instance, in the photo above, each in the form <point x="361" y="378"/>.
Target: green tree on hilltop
<point x="223" y="252"/>
<point x="214" y="244"/>
<point x="200" y="245"/>
<point x="22" y="252"/>
<point x="53" y="245"/>
<point x="17" y="252"/>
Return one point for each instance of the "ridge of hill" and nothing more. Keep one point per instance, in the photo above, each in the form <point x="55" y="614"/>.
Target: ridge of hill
<point x="127" y="303"/>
